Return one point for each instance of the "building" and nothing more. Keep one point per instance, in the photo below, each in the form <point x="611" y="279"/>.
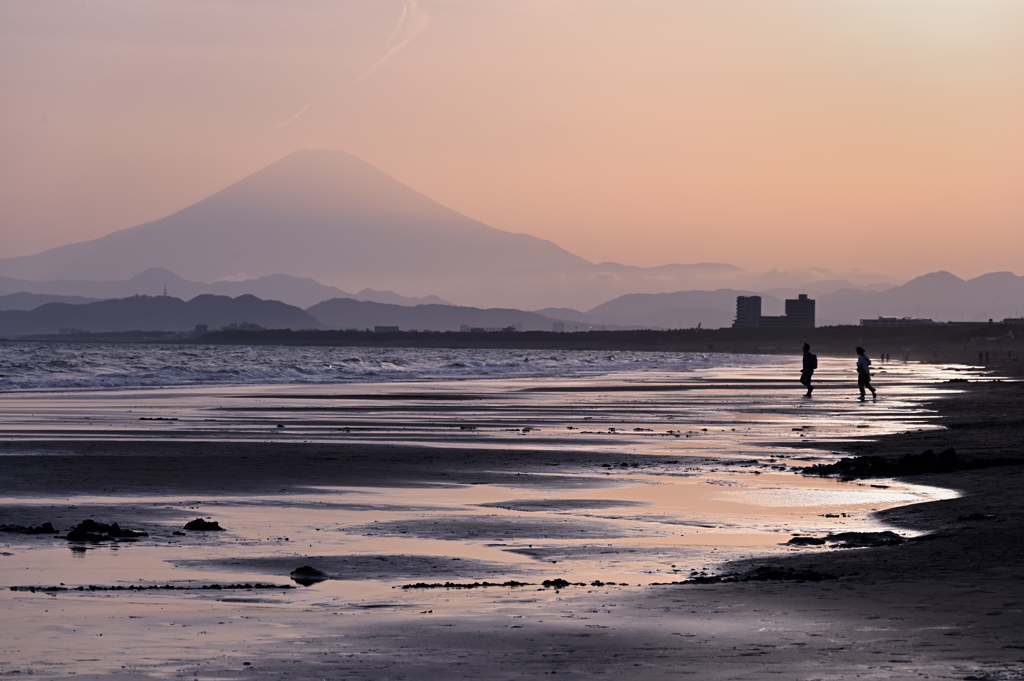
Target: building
<point x="890" y="322"/>
<point x="385" y="329"/>
<point x="466" y="328"/>
<point x="799" y="314"/>
<point x="748" y="312"/>
<point x="242" y="326"/>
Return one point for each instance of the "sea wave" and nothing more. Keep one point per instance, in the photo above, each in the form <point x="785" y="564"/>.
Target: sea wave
<point x="81" y="366"/>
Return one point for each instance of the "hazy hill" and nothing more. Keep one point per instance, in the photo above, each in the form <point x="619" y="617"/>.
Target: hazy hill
<point x="392" y="298"/>
<point x="321" y="214"/>
<point x="154" y="313"/>
<point x="298" y="291"/>
<point x="940" y="296"/>
<point x="30" y="301"/>
<point x="345" y="313"/>
<point x="679" y="310"/>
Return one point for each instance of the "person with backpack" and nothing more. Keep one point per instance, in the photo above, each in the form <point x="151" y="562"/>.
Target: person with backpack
<point x="864" y="373"/>
<point x="810" y="364"/>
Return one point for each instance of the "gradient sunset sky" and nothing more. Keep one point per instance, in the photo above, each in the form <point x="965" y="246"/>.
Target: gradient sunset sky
<point x="865" y="134"/>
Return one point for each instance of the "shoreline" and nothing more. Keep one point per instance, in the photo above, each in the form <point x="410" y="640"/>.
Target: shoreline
<point x="942" y="342"/>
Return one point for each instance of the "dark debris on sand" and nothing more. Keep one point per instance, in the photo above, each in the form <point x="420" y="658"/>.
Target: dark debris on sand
<point x="308" y="575"/>
<point x="45" y="528"/>
<point x="464" y="585"/>
<point x="557" y="583"/>
<point x="200" y="525"/>
<point x="165" y="587"/>
<point x="764" y="573"/>
<point x="90" y="530"/>
<point x="946" y="461"/>
<point x="851" y="540"/>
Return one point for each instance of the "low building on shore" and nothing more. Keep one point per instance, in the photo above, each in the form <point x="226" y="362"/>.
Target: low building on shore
<point x="894" y="322"/>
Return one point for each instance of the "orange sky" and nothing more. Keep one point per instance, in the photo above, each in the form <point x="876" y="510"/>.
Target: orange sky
<point x="876" y="134"/>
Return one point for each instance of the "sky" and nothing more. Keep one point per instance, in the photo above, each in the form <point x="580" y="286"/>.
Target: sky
<point x="856" y="134"/>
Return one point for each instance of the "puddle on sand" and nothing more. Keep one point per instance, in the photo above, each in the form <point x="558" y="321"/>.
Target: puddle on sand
<point x="640" y="529"/>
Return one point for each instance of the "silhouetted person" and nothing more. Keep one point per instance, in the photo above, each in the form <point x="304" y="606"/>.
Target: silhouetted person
<point x="864" y="373"/>
<point x="810" y="364"/>
<point x="981" y="357"/>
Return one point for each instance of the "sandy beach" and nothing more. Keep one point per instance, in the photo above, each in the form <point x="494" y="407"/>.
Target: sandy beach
<point x="620" y="486"/>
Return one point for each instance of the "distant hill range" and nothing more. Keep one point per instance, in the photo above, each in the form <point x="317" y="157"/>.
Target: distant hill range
<point x="169" y="314"/>
<point x="30" y="301"/>
<point x="328" y="216"/>
<point x="154" y="313"/>
<point x="343" y="313"/>
<point x="298" y="291"/>
<point x="939" y="296"/>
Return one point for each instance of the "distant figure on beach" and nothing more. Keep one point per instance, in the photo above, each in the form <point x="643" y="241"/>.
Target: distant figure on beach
<point x="864" y="373"/>
<point x="810" y="364"/>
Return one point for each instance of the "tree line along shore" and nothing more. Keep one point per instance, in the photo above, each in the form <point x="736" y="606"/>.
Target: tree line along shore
<point x="989" y="344"/>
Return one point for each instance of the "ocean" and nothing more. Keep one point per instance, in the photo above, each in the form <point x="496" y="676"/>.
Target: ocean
<point x="98" y="366"/>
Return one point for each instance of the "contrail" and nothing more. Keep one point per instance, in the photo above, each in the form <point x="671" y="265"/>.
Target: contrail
<point x="417" y="22"/>
<point x="401" y="20"/>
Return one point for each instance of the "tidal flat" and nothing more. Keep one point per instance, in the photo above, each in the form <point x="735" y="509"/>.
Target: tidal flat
<point x="628" y="493"/>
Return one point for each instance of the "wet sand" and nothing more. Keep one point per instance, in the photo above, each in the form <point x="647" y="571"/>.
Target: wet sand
<point x="946" y="606"/>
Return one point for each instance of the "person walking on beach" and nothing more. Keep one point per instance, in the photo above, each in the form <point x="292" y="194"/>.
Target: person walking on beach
<point x="810" y="364"/>
<point x="864" y="373"/>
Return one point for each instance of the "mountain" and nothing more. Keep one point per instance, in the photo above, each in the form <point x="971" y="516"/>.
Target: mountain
<point x="154" y="313"/>
<point x="298" y="291"/>
<point x="345" y="313"/>
<point x="30" y="301"/>
<point x="328" y="216"/>
<point x="321" y="214"/>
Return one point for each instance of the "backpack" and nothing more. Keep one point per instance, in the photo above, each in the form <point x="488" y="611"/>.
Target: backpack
<point x="814" y="361"/>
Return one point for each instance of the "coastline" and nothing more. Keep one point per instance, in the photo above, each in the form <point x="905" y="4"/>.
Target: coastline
<point x="951" y="603"/>
<point x="945" y="607"/>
